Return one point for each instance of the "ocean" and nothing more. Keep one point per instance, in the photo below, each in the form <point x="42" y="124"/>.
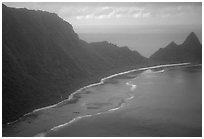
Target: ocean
<point x="158" y="101"/>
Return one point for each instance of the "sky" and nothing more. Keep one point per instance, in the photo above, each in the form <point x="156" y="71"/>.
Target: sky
<point x="144" y="27"/>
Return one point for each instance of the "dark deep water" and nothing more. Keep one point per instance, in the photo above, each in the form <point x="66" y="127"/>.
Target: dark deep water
<point x="154" y="102"/>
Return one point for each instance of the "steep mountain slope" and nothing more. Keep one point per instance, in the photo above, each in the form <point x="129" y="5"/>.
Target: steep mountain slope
<point x="189" y="51"/>
<point x="42" y="57"/>
<point x="110" y="53"/>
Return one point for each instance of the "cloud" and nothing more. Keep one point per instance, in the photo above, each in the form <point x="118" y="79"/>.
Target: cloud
<point x="86" y="11"/>
<point x="104" y="12"/>
<point x="146" y="14"/>
<point x="123" y="12"/>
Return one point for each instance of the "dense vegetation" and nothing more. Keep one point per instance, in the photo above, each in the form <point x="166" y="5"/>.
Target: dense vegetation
<point x="44" y="60"/>
<point x="189" y="51"/>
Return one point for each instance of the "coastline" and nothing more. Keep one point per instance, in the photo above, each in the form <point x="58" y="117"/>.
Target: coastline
<point x="94" y="84"/>
<point x="70" y="92"/>
<point x="56" y="128"/>
<point x="148" y="108"/>
<point x="70" y="112"/>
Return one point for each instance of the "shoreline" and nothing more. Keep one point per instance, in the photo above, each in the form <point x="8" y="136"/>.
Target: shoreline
<point x="152" y="98"/>
<point x="75" y="119"/>
<point x="95" y="84"/>
<point x="132" y="87"/>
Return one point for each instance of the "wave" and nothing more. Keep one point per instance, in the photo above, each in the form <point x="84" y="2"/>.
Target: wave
<point x="57" y="128"/>
<point x="91" y="85"/>
<point x="133" y="86"/>
<point x="151" y="71"/>
<point x="159" y="71"/>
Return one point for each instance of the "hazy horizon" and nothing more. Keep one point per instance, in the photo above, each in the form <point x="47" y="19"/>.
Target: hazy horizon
<point x="144" y="27"/>
<point x="71" y="69"/>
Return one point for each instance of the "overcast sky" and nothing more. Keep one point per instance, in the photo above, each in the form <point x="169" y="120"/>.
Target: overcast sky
<point x="135" y="18"/>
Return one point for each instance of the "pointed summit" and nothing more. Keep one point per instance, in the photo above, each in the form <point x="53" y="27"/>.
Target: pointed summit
<point x="192" y="34"/>
<point x="189" y="51"/>
<point x="191" y="39"/>
<point x="172" y="44"/>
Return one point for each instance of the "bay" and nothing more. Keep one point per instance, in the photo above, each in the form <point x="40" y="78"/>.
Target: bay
<point x="166" y="103"/>
<point x="158" y="101"/>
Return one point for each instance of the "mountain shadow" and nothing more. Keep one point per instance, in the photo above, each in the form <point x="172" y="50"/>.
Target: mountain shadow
<point x="44" y="61"/>
<point x="189" y="51"/>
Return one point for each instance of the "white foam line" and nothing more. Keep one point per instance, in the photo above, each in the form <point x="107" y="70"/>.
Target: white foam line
<point x="159" y="71"/>
<point x="73" y="120"/>
<point x="95" y="84"/>
<point x="101" y="82"/>
<point x="80" y="117"/>
<point x="130" y="98"/>
<point x="133" y="86"/>
<point x="56" y="128"/>
<point x="114" y="109"/>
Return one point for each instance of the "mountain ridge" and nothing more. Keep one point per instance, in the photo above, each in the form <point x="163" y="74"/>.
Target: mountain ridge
<point x="44" y="61"/>
<point x="189" y="51"/>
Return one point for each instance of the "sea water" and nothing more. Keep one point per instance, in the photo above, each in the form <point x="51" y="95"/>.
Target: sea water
<point x="161" y="101"/>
